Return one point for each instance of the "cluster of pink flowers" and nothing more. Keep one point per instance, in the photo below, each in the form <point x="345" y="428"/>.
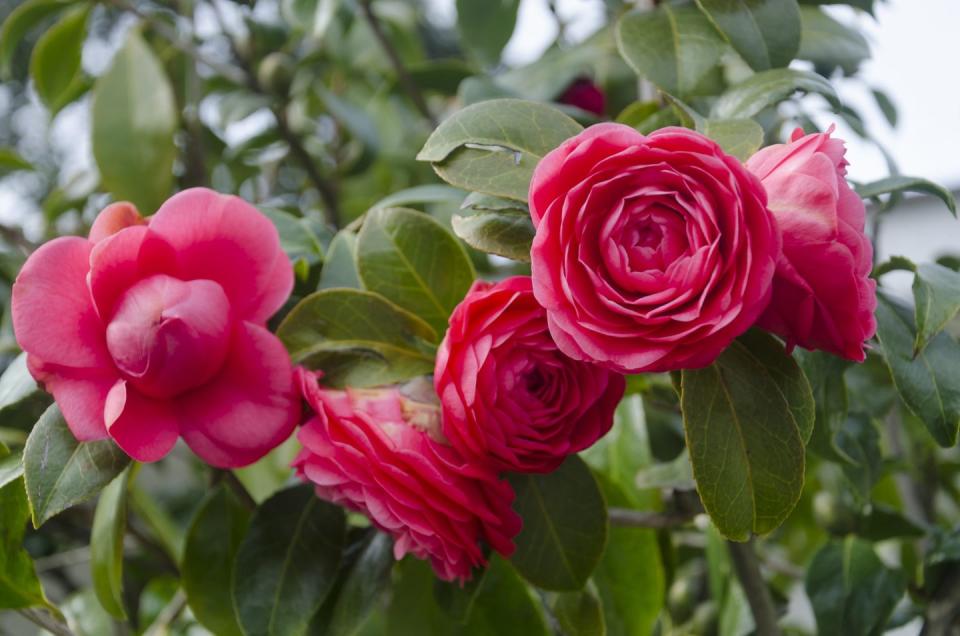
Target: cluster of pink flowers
<point x="652" y="253"/>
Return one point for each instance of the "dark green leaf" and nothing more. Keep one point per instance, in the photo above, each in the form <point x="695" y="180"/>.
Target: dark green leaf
<point x="851" y="590"/>
<point x="928" y="383"/>
<point x="55" y="64"/>
<point x="287" y="563"/>
<point x="340" y="263"/>
<point x="886" y="106"/>
<point x="207" y="570"/>
<point x="506" y="233"/>
<point x="830" y="44"/>
<point x="766" y="33"/>
<point x="859" y="441"/>
<point x="746" y="418"/>
<point x="365" y="582"/>
<point x="936" y="293"/>
<point x="880" y="523"/>
<point x="897" y="184"/>
<point x="61" y="472"/>
<point x="106" y="545"/>
<point x="825" y="373"/>
<point x="19" y="585"/>
<point x="358" y="338"/>
<point x="759" y="91"/>
<point x="580" y="613"/>
<point x="493" y="146"/>
<point x="134" y="119"/>
<point x="414" y="262"/>
<point x="564" y="526"/>
<point x="297" y="237"/>
<point x="676" y="48"/>
<point x="20" y="21"/>
<point x="486" y="27"/>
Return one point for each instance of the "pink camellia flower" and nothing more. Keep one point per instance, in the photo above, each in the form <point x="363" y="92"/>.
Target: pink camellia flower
<point x="823" y="296"/>
<point x="652" y="253"/>
<point x="154" y="329"/>
<point x="585" y="95"/>
<point x="510" y="398"/>
<point x="374" y="451"/>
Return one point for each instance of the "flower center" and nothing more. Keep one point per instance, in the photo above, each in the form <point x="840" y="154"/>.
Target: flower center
<point x="168" y="336"/>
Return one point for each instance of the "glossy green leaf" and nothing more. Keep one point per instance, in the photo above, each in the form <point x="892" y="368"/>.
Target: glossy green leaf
<point x="738" y="137"/>
<point x="340" y="263"/>
<point x="746" y="418"/>
<point x="21" y="21"/>
<point x="413" y="261"/>
<point x="55" y="63"/>
<point x="506" y="233"/>
<point x="364" y="583"/>
<point x="766" y="33"/>
<point x="212" y="542"/>
<point x="297" y="237"/>
<point x="16" y="383"/>
<point x="287" y="563"/>
<point x="61" y="472"/>
<point x="851" y="590"/>
<point x="19" y="585"/>
<point x="358" y="338"/>
<point x="897" y="184"/>
<point x="676" y="48"/>
<point x="830" y="44"/>
<point x="759" y="91"/>
<point x="936" y="293"/>
<point x="134" y="118"/>
<point x="580" y="613"/>
<point x="11" y="466"/>
<point x="486" y="27"/>
<point x="928" y="383"/>
<point x="564" y="526"/>
<point x="493" y="146"/>
<point x="106" y="545"/>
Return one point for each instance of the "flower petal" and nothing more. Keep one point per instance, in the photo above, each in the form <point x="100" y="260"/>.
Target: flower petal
<point x="145" y="429"/>
<point x="80" y="394"/>
<point x="114" y="218"/>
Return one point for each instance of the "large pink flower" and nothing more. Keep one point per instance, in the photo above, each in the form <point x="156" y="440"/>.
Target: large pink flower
<point x="150" y="330"/>
<point x="652" y="253"/>
<point x="510" y="398"/>
<point x="372" y="451"/>
<point x="823" y="296"/>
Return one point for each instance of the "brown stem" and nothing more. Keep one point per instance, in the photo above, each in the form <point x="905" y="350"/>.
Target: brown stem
<point x="411" y="88"/>
<point x="642" y="519"/>
<point x="47" y="621"/>
<point x="747" y="567"/>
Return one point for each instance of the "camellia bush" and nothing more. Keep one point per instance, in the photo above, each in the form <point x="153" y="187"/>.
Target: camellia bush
<point x="349" y="327"/>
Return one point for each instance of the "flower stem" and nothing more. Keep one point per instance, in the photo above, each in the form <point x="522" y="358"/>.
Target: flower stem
<point x="747" y="567"/>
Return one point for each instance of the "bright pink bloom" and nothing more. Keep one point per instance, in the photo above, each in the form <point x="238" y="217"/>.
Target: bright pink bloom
<point x="652" y="253"/>
<point x="585" y="95"/>
<point x="153" y="330"/>
<point x="511" y="399"/>
<point x="823" y="296"/>
<point x="371" y="450"/>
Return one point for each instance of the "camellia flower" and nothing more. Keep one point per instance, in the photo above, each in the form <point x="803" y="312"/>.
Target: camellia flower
<point x="652" y="253"/>
<point x="823" y="296"/>
<point x="374" y="451"/>
<point x="585" y="95"/>
<point x="510" y="398"/>
<point x="153" y="329"/>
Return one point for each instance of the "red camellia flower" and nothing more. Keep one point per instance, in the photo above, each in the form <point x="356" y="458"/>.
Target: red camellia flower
<point x="371" y="450"/>
<point x="652" y="253"/>
<point x="585" y="95"/>
<point x="823" y="296"/>
<point x="510" y="398"/>
<point x="150" y="330"/>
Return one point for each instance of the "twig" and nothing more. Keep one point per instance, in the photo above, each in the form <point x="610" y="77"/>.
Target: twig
<point x="747" y="567"/>
<point x="168" y="614"/>
<point x="47" y="621"/>
<point x="642" y="519"/>
<point x="411" y="88"/>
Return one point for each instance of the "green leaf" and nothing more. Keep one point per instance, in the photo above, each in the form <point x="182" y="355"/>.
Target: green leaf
<point x="929" y="382"/>
<point x="11" y="466"/>
<point x="766" y="33"/>
<point x="297" y="237"/>
<point x="19" y="585"/>
<point x="11" y="161"/>
<point x="85" y="616"/>
<point x="886" y="106"/>
<point x="851" y="590"/>
<point x="830" y="44"/>
<point x="364" y="583"/>
<point x="746" y="418"/>
<point x="106" y="545"/>
<point x="859" y="441"/>
<point x="431" y="193"/>
<point x="759" y="91"/>
<point x="677" y="474"/>
<point x="507" y="232"/>
<point x="340" y="263"/>
<point x="134" y="118"/>
<point x="936" y="293"/>
<point x="287" y="563"/>
<point x="493" y="146"/>
<point x="825" y="373"/>
<point x="896" y="184"/>
<point x="61" y="472"/>
<point x="880" y="523"/>
<point x="486" y="27"/>
<point x="580" y="613"/>
<point x="16" y="383"/>
<point x="413" y="261"/>
<point x="55" y="63"/>
<point x="358" y="338"/>
<point x="564" y="526"/>
<point x="207" y="569"/>
<point x="21" y="20"/>
<point x="676" y="48"/>
<point x="738" y="137"/>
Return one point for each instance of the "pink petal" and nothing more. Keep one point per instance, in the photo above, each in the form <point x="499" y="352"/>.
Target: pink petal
<point x="114" y="218"/>
<point x="145" y="429"/>
<point x="53" y="317"/>
<point x="80" y="394"/>
<point x="120" y="260"/>
<point x="229" y="241"/>
<point x="249" y="409"/>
